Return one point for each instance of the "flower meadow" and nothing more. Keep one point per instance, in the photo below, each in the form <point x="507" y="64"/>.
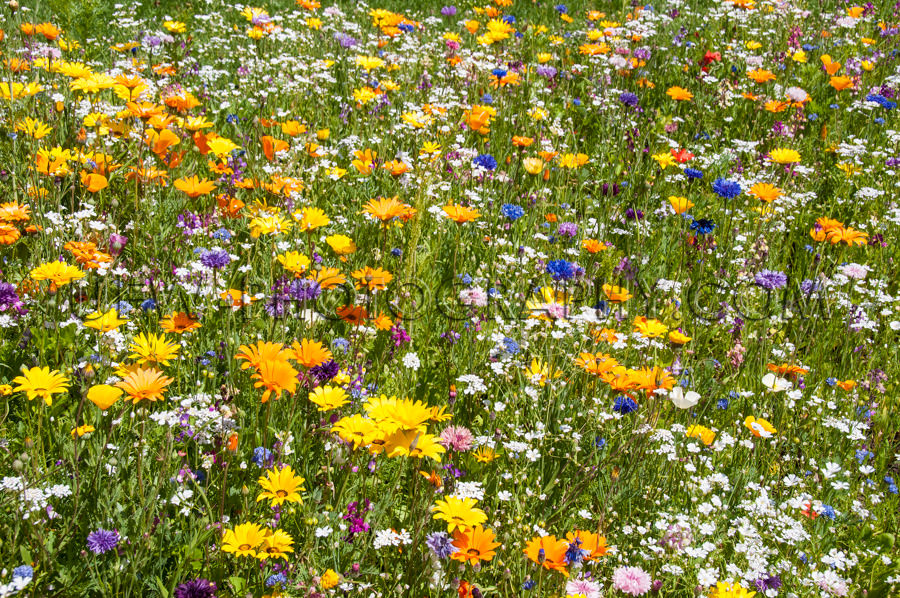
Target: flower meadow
<point x="500" y="298"/>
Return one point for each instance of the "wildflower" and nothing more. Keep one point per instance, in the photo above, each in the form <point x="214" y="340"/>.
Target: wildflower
<point x="680" y="204"/>
<point x="461" y="214"/>
<point x="104" y="396"/>
<point x="59" y="273"/>
<point x="329" y="579"/>
<point x="679" y="94"/>
<point x="633" y="581"/>
<point x="329" y="397"/>
<point x="760" y="427"/>
<point x="41" y="383"/>
<point x="459" y="513"/>
<point x="548" y="552"/>
<point x="196" y="588"/>
<point x="243" y="539"/>
<point x="784" y="156"/>
<point x="179" y="322"/>
<point x="730" y="590"/>
<point x="771" y="280"/>
<point x="144" y="384"/>
<point x="726" y="189"/>
<point x="104" y="322"/>
<point x="101" y="541"/>
<point x="474" y="545"/>
<point x="280" y="486"/>
<point x="153" y="349"/>
<point x="705" y="435"/>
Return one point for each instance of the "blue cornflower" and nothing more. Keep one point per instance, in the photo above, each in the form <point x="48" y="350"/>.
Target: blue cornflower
<point x="405" y="27"/>
<point x="465" y="279"/>
<point x="487" y="99"/>
<point x="232" y="119"/>
<point x="511" y="211"/>
<point x="528" y="584"/>
<point x="703" y="226"/>
<point x="148" y="304"/>
<point x="276" y="579"/>
<point x="599" y="442"/>
<point x="881" y="101"/>
<point x="499" y="73"/>
<point x="486" y="161"/>
<point x="562" y="269"/>
<point x="222" y="234"/>
<point x="624" y="405"/>
<point x="561" y="9"/>
<point x="831" y="381"/>
<point x="725" y="188"/>
<point x="828" y="511"/>
<point x="340" y="343"/>
<point x="511" y="346"/>
<point x="722" y="404"/>
<point x="574" y="553"/>
<point x="693" y="173"/>
<point x="397" y="252"/>
<point x="23" y="572"/>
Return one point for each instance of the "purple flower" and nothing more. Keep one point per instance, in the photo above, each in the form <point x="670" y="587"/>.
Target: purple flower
<point x="567" y="229"/>
<point x="215" y="258"/>
<point x="196" y="588"/>
<point x="771" y="280"/>
<point x="325" y="371"/>
<point x="628" y="98"/>
<point x="117" y="243"/>
<point x="545" y="70"/>
<point x="10" y="300"/>
<point x="102" y="541"/>
<point x="440" y="545"/>
<point x="303" y="290"/>
<point x="448" y="11"/>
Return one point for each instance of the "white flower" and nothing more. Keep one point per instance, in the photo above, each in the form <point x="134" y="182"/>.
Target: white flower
<point x="411" y="361"/>
<point x="684" y="400"/>
<point x="775" y="384"/>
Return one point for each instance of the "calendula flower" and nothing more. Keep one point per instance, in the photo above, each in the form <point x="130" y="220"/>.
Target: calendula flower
<point x="41" y="383"/>
<point x="59" y="273"/>
<point x="784" y="156"/>
<point x="460" y="214"/>
<point x="474" y="545"/>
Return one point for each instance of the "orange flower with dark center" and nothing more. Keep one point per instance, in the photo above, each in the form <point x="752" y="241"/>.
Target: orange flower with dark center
<point x="179" y="322"/>
<point x="474" y="545"/>
<point x="548" y="552"/>
<point x="372" y="279"/>
<point x="353" y="314"/>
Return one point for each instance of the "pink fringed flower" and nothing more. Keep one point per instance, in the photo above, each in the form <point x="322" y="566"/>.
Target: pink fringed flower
<point x="631" y="580"/>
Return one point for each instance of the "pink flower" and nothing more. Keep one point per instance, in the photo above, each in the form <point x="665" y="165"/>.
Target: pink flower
<point x="457" y="438"/>
<point x="631" y="580"/>
<point x="583" y="587"/>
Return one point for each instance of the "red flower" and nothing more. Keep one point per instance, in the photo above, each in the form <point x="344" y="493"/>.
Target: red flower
<point x="681" y="156"/>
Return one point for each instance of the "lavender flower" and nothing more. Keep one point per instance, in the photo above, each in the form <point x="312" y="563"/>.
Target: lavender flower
<point x="448" y="11"/>
<point x="10" y="300"/>
<point x="567" y="229"/>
